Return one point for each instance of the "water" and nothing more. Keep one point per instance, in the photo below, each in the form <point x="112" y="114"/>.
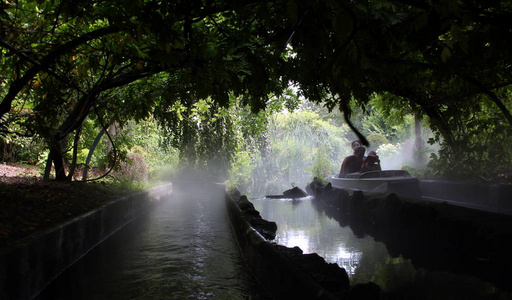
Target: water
<point x="303" y="223"/>
<point x="183" y="249"/>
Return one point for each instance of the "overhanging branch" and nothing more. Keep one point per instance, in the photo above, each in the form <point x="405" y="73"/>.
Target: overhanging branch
<point x="22" y="134"/>
<point x="44" y="64"/>
<point x="493" y="97"/>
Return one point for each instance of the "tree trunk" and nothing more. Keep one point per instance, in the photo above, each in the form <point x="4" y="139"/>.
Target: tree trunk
<point x="72" y="167"/>
<point x="55" y="156"/>
<point x="47" y="169"/>
<point x="91" y="151"/>
<point x="112" y="133"/>
<point x="419" y="154"/>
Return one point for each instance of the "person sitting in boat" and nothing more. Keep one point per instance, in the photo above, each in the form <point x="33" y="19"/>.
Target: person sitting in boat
<point x="371" y="162"/>
<point x="353" y="162"/>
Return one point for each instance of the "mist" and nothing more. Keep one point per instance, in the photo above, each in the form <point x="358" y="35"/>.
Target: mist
<point x="405" y="156"/>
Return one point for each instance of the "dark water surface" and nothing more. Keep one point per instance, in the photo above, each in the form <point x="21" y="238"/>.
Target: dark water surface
<point x="182" y="249"/>
<point x="303" y="223"/>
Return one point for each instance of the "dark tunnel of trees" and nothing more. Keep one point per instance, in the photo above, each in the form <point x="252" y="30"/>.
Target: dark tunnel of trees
<point x="208" y="75"/>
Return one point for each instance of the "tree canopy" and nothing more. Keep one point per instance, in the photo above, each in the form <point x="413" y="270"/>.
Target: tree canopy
<point x="64" y="62"/>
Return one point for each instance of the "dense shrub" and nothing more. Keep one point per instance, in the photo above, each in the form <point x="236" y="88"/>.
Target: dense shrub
<point x="134" y="168"/>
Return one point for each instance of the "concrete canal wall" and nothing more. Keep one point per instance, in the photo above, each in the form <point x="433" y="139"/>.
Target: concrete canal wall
<point x="27" y="266"/>
<point x="436" y="236"/>
<point x="487" y="194"/>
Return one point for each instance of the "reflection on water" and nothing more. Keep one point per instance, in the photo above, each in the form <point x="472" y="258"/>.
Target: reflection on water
<point x="299" y="224"/>
<point x="303" y="224"/>
<point x="183" y="249"/>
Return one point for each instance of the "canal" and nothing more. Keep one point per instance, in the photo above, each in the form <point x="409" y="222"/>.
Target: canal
<point x="182" y="249"/>
<point x="305" y="224"/>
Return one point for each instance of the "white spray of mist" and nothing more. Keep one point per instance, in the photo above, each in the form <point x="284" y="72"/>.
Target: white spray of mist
<point x="395" y="157"/>
<point x="396" y="160"/>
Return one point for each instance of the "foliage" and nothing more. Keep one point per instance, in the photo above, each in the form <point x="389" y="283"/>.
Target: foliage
<point x="383" y="117"/>
<point x="124" y="184"/>
<point x="107" y="46"/>
<point x="134" y="169"/>
<point x="475" y="162"/>
<point x="301" y="143"/>
<point x="206" y="140"/>
<point x="376" y="140"/>
<point x="69" y="69"/>
<point x="438" y="60"/>
<point x="479" y="151"/>
<point x="20" y="149"/>
<point x="252" y="167"/>
<point x="388" y="152"/>
<point x="322" y="166"/>
<point x="240" y="174"/>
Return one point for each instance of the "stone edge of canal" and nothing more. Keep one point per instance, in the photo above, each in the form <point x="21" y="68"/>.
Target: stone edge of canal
<point x="287" y="273"/>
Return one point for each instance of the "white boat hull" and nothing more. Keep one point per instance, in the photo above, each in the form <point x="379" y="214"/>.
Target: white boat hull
<point x="385" y="182"/>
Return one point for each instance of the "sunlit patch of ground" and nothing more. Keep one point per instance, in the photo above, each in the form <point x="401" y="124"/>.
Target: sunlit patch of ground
<point x="19" y="173"/>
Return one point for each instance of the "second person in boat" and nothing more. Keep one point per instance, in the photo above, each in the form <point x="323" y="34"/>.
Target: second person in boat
<point x="371" y="162"/>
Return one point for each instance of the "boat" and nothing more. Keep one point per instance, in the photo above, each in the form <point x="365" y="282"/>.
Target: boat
<point x="399" y="182"/>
